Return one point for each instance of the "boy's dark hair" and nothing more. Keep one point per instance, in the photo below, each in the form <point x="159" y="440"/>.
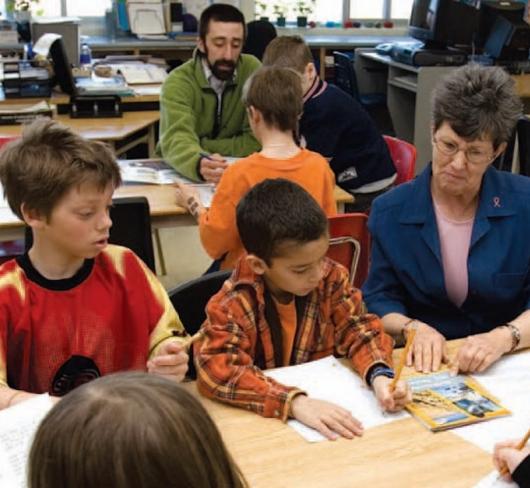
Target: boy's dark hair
<point x="49" y="159"/>
<point x="288" y="52"/>
<point x="277" y="93"/>
<point x="274" y="212"/>
<point x="220" y="12"/>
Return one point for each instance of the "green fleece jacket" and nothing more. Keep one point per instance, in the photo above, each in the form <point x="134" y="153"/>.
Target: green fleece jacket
<point x="188" y="108"/>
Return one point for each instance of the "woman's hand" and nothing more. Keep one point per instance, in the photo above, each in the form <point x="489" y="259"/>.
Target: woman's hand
<point x="481" y="350"/>
<point x="428" y="350"/>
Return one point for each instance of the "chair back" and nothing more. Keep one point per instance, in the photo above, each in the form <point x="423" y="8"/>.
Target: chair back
<point x="523" y="141"/>
<point x="349" y="244"/>
<point x="403" y="155"/>
<point x="345" y="77"/>
<point x="190" y="300"/>
<point x="259" y="34"/>
<point x="131" y="227"/>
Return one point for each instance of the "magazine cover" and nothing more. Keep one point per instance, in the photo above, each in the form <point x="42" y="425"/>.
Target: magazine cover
<point x="442" y="401"/>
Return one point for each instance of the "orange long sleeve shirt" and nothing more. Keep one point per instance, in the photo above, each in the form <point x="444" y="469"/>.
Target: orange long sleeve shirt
<point x="217" y="226"/>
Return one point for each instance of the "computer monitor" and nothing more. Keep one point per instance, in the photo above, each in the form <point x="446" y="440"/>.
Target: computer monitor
<point x="444" y="23"/>
<point x="61" y="65"/>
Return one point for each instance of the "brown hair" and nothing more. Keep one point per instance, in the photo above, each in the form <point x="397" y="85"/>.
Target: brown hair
<point x="277" y="93"/>
<point x="49" y="159"/>
<point x="477" y="102"/>
<point x="288" y="52"/>
<point x="130" y="430"/>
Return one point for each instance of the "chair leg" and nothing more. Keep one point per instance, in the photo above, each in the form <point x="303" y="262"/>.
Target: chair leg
<point x="160" y="252"/>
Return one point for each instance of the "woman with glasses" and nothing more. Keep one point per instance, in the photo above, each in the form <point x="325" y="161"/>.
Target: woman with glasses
<point x="450" y="250"/>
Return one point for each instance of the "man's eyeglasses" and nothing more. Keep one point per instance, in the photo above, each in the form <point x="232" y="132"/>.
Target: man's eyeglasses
<point x="473" y="155"/>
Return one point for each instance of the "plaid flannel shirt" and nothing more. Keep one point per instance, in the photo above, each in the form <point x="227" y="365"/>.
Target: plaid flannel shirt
<point x="237" y="343"/>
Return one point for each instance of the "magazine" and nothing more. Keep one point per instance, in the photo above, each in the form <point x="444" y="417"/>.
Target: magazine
<point x="442" y="401"/>
<point x="158" y="172"/>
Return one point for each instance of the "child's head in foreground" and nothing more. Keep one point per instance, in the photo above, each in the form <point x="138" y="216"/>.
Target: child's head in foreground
<point x="130" y="430"/>
<point x="285" y="233"/>
<point x="273" y="96"/>
<point x="61" y="185"/>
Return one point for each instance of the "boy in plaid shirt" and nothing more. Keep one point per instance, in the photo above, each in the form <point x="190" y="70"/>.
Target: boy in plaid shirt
<point x="286" y="303"/>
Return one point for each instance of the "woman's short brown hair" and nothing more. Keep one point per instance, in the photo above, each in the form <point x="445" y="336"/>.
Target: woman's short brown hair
<point x="130" y="430"/>
<point x="39" y="168"/>
<point x="478" y="102"/>
<point x="277" y="93"/>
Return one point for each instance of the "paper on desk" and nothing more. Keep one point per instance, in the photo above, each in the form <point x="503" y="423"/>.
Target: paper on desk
<point x="18" y="425"/>
<point x="328" y="379"/>
<point x="508" y="380"/>
<point x="493" y="480"/>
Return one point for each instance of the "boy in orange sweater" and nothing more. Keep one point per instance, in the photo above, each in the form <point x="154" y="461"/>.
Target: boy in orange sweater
<point x="273" y="97"/>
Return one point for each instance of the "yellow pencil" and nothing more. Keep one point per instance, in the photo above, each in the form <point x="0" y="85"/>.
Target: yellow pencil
<point x="504" y="470"/>
<point x="194" y="338"/>
<point x="403" y="359"/>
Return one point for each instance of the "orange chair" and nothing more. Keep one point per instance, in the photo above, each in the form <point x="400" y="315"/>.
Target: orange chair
<point x="404" y="156"/>
<point x="349" y="244"/>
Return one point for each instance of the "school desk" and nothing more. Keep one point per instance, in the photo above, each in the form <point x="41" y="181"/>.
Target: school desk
<point x="165" y="213"/>
<point x="122" y="133"/>
<point x="399" y="454"/>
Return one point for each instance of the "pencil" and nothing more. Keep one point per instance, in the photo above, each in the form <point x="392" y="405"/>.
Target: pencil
<point x="194" y="338"/>
<point x="504" y="470"/>
<point x="403" y="359"/>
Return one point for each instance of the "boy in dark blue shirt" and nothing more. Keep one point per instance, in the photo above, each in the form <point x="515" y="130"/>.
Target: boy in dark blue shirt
<point x="336" y="126"/>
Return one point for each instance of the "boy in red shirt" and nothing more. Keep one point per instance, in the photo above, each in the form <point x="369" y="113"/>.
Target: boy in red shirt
<point x="286" y="303"/>
<point x="73" y="307"/>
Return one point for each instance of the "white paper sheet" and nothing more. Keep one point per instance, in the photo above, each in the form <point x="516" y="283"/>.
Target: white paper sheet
<point x="492" y="480"/>
<point x="328" y="379"/>
<point x="18" y="425"/>
<point x="509" y="381"/>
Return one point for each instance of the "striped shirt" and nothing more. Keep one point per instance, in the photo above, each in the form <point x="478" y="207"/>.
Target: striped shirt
<point x="239" y="338"/>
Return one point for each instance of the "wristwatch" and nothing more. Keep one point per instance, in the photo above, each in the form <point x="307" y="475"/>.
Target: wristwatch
<point x="516" y="335"/>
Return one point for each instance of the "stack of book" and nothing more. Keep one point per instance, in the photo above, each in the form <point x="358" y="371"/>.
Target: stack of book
<point x="22" y="113"/>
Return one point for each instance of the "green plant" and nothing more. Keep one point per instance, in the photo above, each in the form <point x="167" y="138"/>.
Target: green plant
<point x="261" y="8"/>
<point x="23" y="6"/>
<point x="305" y="7"/>
<point x="280" y="9"/>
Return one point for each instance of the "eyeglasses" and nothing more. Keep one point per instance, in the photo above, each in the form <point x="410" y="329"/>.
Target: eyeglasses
<point x="473" y="155"/>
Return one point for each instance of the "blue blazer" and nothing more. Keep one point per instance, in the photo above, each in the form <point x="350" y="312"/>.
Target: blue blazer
<point x="406" y="274"/>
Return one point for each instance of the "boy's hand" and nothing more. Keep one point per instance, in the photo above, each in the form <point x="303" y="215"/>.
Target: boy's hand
<point x="183" y="193"/>
<point x="506" y="455"/>
<point x="391" y="401"/>
<point x="171" y="361"/>
<point x="329" y="419"/>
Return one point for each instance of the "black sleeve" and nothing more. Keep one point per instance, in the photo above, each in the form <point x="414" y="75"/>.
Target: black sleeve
<point x="521" y="475"/>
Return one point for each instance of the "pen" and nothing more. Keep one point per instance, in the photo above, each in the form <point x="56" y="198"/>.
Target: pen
<point x="504" y="470"/>
<point x="205" y="155"/>
<point x="403" y="359"/>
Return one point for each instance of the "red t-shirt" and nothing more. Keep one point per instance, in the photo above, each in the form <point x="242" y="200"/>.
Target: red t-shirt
<point x="57" y="334"/>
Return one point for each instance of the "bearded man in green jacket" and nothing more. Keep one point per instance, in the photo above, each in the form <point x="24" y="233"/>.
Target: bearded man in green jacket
<point x="201" y="112"/>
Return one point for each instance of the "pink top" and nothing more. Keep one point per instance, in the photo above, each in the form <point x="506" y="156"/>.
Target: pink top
<point x="455" y="238"/>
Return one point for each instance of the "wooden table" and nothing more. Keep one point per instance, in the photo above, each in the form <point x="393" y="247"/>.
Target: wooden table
<point x="399" y="454"/>
<point x="122" y="133"/>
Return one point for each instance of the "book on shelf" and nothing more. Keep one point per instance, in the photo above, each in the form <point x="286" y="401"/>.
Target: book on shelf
<point x="22" y="113"/>
<point x="442" y="401"/>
